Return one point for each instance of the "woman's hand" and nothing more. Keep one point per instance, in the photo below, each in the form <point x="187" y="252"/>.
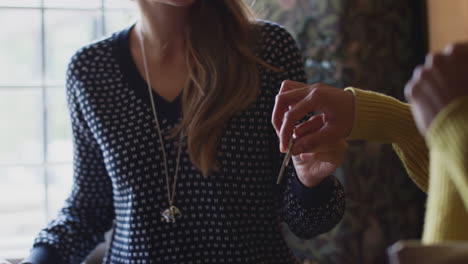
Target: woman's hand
<point x="312" y="168"/>
<point x="319" y="146"/>
<point x="442" y="78"/>
<point x="295" y="100"/>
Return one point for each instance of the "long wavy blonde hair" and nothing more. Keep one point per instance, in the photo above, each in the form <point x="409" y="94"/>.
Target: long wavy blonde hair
<point x="223" y="76"/>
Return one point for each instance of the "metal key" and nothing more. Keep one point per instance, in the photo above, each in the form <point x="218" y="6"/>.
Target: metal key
<point x="286" y="160"/>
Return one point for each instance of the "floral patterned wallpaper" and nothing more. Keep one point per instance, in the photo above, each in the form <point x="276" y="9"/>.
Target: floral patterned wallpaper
<point x="370" y="44"/>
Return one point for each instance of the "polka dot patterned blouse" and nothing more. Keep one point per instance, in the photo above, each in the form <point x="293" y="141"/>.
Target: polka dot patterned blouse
<point x="231" y="216"/>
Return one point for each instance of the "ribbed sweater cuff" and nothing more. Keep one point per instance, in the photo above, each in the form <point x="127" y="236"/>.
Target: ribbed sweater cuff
<point x="450" y="127"/>
<point x="310" y="197"/>
<point x="381" y="118"/>
<point x="448" y="134"/>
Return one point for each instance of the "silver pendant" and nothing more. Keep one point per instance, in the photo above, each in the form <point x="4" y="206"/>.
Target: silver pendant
<point x="169" y="215"/>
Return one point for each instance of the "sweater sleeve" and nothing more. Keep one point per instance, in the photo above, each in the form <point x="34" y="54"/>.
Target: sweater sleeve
<point x="384" y="119"/>
<point x="448" y="135"/>
<point x="447" y="204"/>
<point x="88" y="211"/>
<point x="307" y="211"/>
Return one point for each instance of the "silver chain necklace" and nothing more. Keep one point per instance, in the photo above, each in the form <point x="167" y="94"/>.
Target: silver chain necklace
<point x="172" y="213"/>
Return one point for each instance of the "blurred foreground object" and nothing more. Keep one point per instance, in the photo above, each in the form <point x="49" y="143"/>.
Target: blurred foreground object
<point x="405" y="252"/>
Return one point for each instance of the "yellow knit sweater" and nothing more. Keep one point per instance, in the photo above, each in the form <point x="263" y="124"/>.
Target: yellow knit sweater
<point x="445" y="178"/>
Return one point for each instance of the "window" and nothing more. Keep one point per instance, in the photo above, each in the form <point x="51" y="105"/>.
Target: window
<point x="35" y="144"/>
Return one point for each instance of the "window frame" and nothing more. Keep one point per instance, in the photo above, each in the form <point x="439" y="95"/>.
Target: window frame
<point x="45" y="86"/>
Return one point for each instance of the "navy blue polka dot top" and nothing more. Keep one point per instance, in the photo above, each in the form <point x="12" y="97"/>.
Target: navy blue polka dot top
<point x="231" y="216"/>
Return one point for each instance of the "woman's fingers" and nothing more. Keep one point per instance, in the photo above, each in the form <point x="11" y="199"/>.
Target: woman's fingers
<point x="316" y="141"/>
<point x="283" y="103"/>
<point x="305" y="106"/>
<point x="338" y="146"/>
<point x="328" y="153"/>
<point x="296" y="100"/>
<point x="310" y="126"/>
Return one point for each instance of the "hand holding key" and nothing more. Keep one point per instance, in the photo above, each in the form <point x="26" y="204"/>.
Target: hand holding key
<point x="319" y="144"/>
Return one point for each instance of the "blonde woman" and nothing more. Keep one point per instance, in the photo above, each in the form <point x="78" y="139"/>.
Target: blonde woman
<point x="174" y="148"/>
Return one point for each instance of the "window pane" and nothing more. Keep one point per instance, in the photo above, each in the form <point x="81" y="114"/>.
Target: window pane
<point x="21" y="3"/>
<point x="118" y="20"/>
<point x="60" y="178"/>
<point x="66" y="32"/>
<point x="59" y="145"/>
<point x="21" y="126"/>
<point x="73" y="3"/>
<point x="119" y="4"/>
<point x="22" y="211"/>
<point x="20" y="55"/>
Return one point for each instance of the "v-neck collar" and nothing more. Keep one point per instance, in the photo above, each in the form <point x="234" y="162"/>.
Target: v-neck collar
<point x="168" y="109"/>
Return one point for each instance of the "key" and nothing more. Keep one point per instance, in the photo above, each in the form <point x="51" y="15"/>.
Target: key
<point x="286" y="160"/>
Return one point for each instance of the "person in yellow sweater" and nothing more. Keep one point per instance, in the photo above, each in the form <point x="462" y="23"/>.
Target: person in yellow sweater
<point x="430" y="134"/>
